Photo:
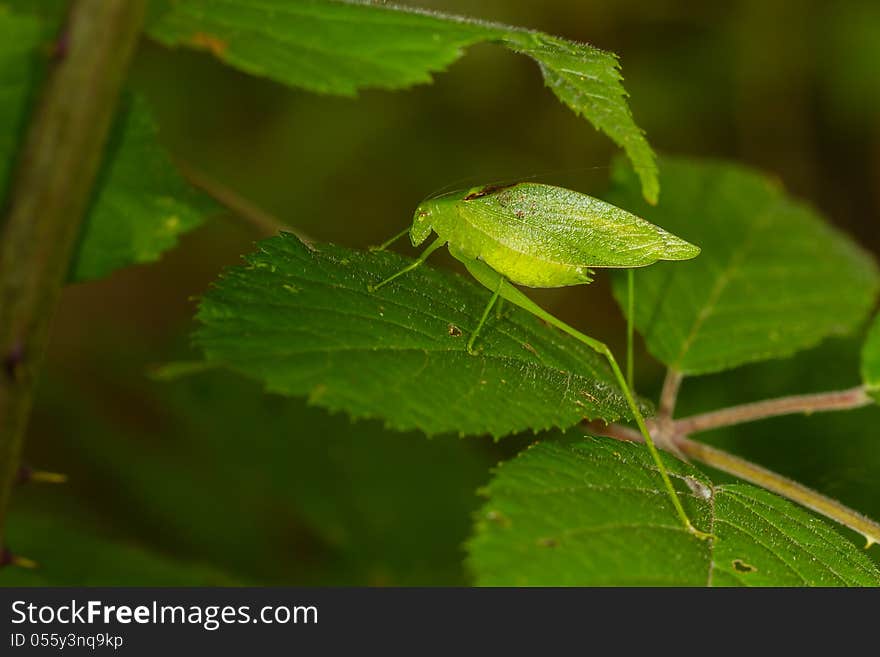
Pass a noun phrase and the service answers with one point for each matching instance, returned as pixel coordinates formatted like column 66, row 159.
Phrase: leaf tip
column 650, row 182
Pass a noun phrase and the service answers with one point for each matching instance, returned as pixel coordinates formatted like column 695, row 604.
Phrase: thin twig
column 672, row 435
column 669, row 395
column 614, row 430
column 837, row 400
column 783, row 486
column 755, row 474
column 47, row 200
column 266, row 223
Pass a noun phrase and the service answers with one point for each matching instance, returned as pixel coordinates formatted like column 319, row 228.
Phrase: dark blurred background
column 207, row 479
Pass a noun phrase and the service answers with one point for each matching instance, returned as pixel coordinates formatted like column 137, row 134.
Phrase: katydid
column 539, row 235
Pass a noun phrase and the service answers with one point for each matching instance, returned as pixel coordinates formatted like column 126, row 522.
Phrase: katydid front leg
column 436, row 244
column 503, row 288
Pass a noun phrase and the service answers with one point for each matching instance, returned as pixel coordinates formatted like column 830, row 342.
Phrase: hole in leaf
column 741, row 566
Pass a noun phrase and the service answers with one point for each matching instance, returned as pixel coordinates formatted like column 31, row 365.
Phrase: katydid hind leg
column 630, row 331
column 499, row 308
column 493, row 280
column 483, row 318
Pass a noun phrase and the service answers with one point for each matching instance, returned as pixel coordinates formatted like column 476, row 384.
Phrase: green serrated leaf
column 871, row 360
column 337, row 47
column 590, row 512
column 773, row 276
column 320, row 45
column 301, row 320
column 588, row 81
column 141, row 204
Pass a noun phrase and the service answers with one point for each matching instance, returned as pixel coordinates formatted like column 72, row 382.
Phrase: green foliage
column 310, row 498
column 336, row 47
column 833, row 453
column 142, row 204
column 89, row 559
column 852, row 31
column 19, row 38
column 301, row 320
column 587, row 80
column 589, row 511
column 871, row 359
column 261, row 487
column 773, row 277
column 320, row 45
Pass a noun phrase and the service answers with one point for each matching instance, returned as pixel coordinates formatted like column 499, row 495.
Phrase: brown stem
column 264, row 222
column 824, row 401
column 614, row 430
column 669, row 395
column 755, row 474
column 783, row 486
column 55, row 171
column 673, row 437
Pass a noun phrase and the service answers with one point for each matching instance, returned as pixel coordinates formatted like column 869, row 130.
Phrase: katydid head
column 433, row 211
column 427, row 215
column 421, row 224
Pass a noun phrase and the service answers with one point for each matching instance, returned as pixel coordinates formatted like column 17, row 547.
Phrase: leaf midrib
column 723, row 280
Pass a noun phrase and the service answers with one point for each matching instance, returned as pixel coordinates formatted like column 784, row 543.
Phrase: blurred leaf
column 85, row 558
column 211, row 468
column 141, row 205
column 301, row 320
column 328, row 46
column 20, row 36
column 871, row 359
column 847, row 68
column 588, row 511
column 50, row 12
column 773, row 277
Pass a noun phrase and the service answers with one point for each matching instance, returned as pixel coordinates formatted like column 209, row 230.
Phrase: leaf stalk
column 673, row 436
column 836, row 400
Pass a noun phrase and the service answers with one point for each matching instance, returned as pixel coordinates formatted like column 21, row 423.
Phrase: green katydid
column 539, row 235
